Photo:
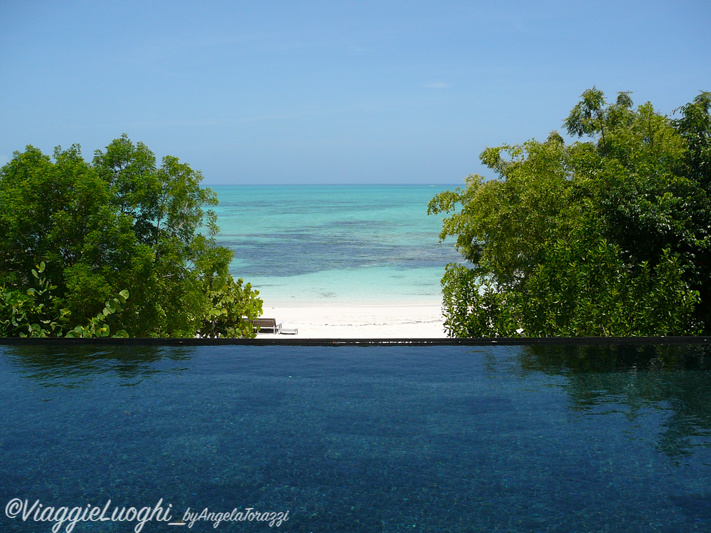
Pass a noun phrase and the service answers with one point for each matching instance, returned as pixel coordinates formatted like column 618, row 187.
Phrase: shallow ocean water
column 335, row 243
column 385, row 438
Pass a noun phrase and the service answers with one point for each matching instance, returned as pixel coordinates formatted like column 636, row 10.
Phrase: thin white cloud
column 437, row 85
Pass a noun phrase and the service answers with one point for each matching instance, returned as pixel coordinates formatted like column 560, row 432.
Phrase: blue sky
column 332, row 91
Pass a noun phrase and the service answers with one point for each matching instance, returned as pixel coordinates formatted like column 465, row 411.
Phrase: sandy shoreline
column 314, row 321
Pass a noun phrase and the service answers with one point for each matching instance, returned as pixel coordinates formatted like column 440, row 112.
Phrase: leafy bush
column 604, row 237
column 118, row 223
column 33, row 314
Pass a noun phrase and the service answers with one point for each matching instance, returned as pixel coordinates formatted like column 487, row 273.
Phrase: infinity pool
column 385, row 438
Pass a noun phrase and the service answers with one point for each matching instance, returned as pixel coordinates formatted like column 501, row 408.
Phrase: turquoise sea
column 335, row 244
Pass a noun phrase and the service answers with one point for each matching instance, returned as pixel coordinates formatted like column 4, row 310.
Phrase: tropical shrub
column 120, row 222
column 608, row 236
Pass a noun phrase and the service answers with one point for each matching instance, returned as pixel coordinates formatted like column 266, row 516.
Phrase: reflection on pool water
column 437, row 438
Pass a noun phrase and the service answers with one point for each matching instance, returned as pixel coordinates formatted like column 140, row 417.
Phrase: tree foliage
column 33, row 313
column 120, row 222
column 603, row 236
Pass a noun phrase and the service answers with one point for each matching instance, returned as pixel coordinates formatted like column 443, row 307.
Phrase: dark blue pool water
column 440, row 438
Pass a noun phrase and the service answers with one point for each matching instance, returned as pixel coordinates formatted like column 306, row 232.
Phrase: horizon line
column 314, row 184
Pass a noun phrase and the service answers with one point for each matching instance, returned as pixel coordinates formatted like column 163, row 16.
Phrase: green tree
column 597, row 237
column 34, row 313
column 120, row 223
column 694, row 126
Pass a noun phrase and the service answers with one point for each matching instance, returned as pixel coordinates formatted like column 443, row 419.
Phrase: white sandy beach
column 358, row 321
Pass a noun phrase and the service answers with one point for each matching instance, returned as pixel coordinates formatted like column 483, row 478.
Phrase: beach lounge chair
column 267, row 325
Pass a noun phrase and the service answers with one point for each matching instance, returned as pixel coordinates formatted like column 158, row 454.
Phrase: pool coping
column 280, row 341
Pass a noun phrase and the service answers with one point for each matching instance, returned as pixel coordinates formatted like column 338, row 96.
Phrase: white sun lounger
column 269, row 325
